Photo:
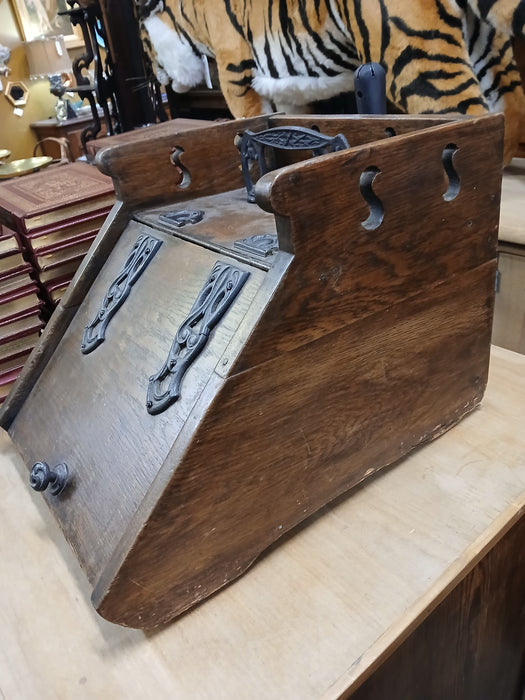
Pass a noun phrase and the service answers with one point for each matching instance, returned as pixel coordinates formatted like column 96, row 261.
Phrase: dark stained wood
column 421, row 241
column 345, row 350
column 301, row 430
column 147, row 132
column 144, row 174
column 472, row 647
column 360, row 130
column 110, row 387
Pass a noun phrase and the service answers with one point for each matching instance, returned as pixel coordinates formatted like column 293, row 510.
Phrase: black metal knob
column 42, row 476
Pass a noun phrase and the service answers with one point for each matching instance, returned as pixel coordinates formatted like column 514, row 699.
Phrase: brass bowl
column 23, row 167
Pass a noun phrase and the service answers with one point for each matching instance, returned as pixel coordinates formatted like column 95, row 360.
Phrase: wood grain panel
column 314, row 617
column 144, row 175
column 99, row 400
column 340, row 270
column 280, row 442
column 472, row 647
column 509, row 312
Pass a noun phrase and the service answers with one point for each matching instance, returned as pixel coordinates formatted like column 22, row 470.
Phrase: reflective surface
column 23, row 167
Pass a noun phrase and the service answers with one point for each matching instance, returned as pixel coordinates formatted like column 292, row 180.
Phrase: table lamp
column 48, row 58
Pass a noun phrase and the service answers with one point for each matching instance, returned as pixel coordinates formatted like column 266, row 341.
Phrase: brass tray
column 23, row 166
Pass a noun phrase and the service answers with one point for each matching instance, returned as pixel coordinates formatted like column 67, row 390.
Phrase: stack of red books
column 20, row 310
column 48, row 221
column 57, row 249
column 56, row 214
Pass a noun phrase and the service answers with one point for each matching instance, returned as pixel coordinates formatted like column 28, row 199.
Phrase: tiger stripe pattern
column 440, row 56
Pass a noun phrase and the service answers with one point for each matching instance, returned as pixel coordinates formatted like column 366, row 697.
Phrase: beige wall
column 15, row 132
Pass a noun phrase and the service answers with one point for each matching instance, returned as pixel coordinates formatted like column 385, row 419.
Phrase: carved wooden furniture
column 221, row 369
column 68, row 128
column 146, row 132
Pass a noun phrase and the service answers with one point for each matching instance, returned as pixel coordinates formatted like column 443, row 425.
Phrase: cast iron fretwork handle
column 42, row 477
column 253, row 147
column 215, row 298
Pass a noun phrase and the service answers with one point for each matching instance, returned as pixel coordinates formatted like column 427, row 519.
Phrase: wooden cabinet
column 472, row 646
column 509, row 311
column 509, row 314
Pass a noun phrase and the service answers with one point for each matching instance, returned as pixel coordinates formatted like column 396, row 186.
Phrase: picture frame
column 36, row 18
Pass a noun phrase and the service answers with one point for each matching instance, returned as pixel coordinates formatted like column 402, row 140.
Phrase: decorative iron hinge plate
column 214, row 300
column 141, row 254
column 182, row 217
column 261, row 245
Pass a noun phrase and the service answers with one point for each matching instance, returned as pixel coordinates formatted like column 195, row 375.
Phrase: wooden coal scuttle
column 219, row 369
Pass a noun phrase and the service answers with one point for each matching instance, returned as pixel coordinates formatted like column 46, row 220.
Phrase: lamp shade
column 47, row 56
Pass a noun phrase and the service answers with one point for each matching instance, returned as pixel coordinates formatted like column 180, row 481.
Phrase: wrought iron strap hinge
column 262, row 245
column 214, row 300
column 142, row 252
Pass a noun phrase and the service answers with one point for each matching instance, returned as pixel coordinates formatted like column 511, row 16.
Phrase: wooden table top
column 312, row 617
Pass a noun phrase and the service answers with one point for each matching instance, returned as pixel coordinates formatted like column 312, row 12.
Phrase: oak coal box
column 220, row 369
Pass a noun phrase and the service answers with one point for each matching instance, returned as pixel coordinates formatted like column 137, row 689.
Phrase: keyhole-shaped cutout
column 454, row 184
column 377, row 211
column 182, row 170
